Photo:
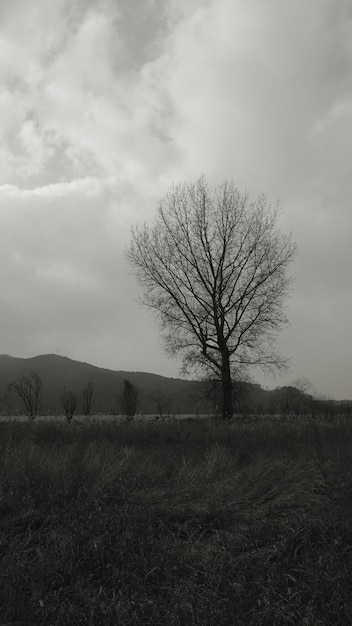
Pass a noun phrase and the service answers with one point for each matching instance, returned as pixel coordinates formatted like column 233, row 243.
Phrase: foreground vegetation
column 176, row 523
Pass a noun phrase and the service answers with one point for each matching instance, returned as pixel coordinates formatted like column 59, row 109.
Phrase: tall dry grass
column 176, row 523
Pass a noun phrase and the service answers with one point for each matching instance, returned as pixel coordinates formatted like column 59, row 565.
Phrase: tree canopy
column 214, row 268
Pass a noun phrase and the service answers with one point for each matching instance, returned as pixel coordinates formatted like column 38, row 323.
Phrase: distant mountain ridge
column 58, row 372
column 156, row 393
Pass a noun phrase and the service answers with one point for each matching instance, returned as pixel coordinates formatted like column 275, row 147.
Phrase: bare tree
column 29, row 389
column 6, row 402
column 69, row 402
column 129, row 398
column 214, row 268
column 296, row 399
column 211, row 393
column 163, row 404
column 87, row 399
column 289, row 401
column 241, row 397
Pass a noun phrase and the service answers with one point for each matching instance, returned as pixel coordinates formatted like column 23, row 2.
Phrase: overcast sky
column 105, row 103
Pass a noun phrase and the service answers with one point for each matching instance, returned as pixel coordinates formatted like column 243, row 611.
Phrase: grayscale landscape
column 175, row 305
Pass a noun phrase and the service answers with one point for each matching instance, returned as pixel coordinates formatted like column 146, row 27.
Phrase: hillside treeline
column 167, row 399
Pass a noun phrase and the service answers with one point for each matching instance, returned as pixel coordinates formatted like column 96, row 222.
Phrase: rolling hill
column 176, row 396
column 59, row 372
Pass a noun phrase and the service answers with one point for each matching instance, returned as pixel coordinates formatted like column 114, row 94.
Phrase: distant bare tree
column 129, row 398
column 69, row 402
column 304, row 385
column 211, row 392
column 288, row 398
column 163, row 404
column 87, row 399
column 6, row 402
column 29, row 389
column 296, row 399
column 241, row 397
column 214, row 268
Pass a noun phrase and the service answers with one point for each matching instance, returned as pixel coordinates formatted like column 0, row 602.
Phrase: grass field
column 192, row 522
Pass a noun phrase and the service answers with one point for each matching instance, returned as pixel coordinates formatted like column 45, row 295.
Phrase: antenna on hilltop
column 57, row 350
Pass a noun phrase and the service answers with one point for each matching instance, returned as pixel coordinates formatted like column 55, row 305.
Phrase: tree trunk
column 227, row 404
